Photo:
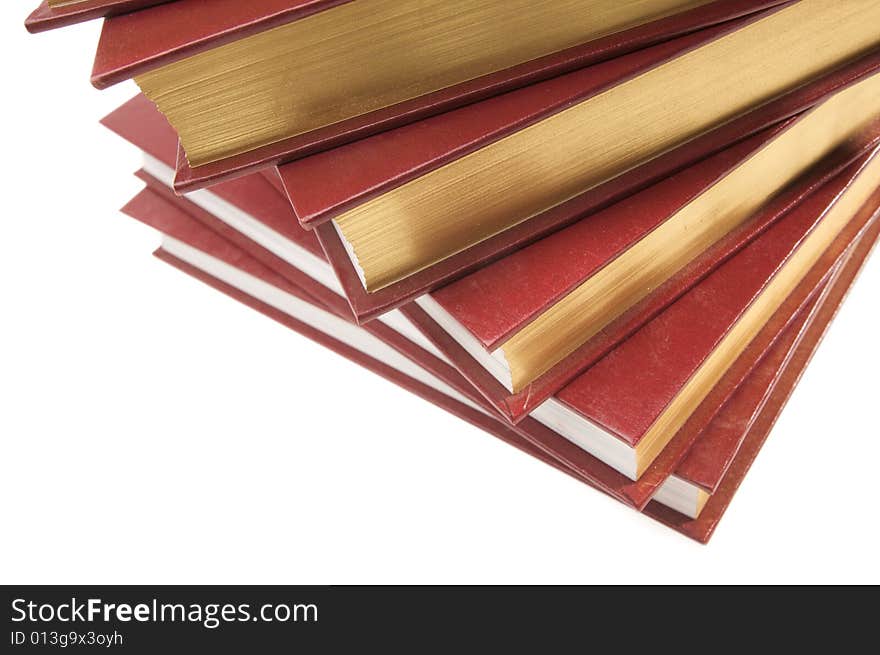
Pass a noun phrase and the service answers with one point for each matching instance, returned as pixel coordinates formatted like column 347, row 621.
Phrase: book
column 456, row 52
column 589, row 467
column 385, row 254
column 528, row 321
column 248, row 213
column 586, row 465
column 760, row 388
column 511, row 309
column 629, row 405
column 737, row 464
column 52, row 14
column 247, row 205
column 809, row 215
column 237, row 225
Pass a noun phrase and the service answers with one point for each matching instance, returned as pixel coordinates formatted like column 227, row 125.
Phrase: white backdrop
column 154, row 431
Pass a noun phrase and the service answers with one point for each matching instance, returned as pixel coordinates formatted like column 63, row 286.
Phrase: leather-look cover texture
column 700, row 529
column 577, row 460
column 529, row 269
column 369, row 305
column 45, row 17
column 170, row 217
column 138, row 122
column 581, row 86
column 498, row 300
column 132, row 44
column 627, row 390
column 639, row 492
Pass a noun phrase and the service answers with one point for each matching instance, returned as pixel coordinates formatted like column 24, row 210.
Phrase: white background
column 154, row 431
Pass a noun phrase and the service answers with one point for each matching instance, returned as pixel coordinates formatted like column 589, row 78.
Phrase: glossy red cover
column 700, row 529
column 45, row 17
column 369, row 305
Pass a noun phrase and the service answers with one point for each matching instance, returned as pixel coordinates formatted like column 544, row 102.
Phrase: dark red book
column 248, row 204
column 601, row 474
column 704, row 458
column 638, row 493
column 486, row 308
column 324, row 186
column 45, row 17
column 131, row 46
column 592, row 469
column 139, row 122
column 767, row 383
column 624, row 393
column 170, row 217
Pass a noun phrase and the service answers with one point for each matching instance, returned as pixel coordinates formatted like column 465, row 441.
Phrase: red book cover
column 170, row 217
column 580, row 460
column 131, row 45
column 585, row 464
column 495, row 302
column 735, row 468
column 735, row 412
column 143, row 125
column 638, row 493
column 138, row 122
column 527, row 107
column 45, row 17
column 682, row 330
column 353, row 184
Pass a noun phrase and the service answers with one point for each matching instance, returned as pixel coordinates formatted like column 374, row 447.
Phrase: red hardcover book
column 170, row 217
column 486, row 308
column 761, row 387
column 638, row 493
column 131, row 46
column 45, row 17
column 253, row 200
column 402, row 155
column 701, row 464
column 588, row 466
column 140, row 123
column 624, row 393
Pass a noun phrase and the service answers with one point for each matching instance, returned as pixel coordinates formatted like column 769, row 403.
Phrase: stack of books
column 611, row 234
